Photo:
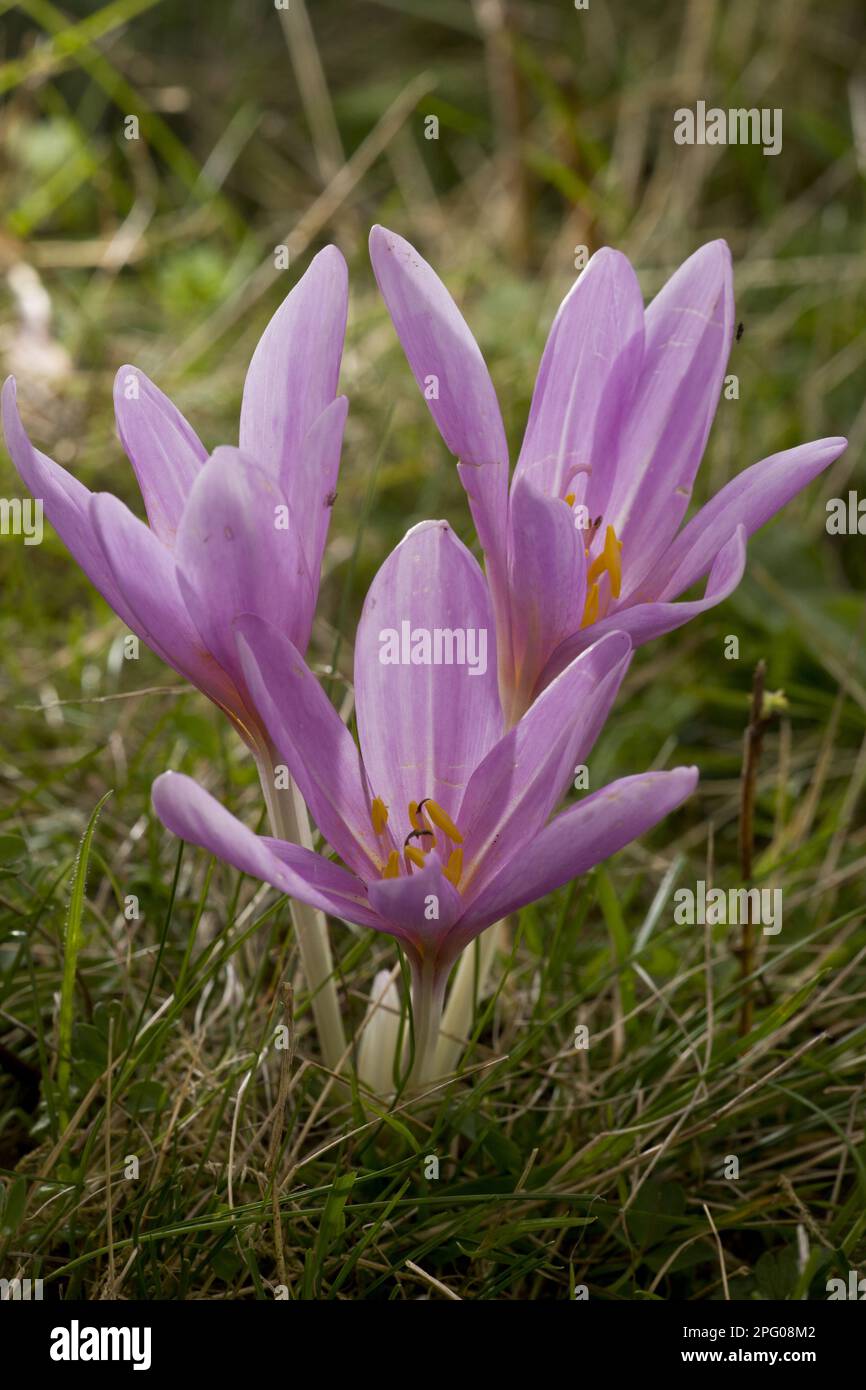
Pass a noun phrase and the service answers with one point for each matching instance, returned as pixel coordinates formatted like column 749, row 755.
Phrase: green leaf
column 12, row 849
column 71, row 948
column 776, row 1274
column 13, row 1206
column 658, row 1207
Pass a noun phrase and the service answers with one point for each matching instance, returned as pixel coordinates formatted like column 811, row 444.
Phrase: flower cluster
column 444, row 816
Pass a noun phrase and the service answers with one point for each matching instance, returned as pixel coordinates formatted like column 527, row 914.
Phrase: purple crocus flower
column 241, row 531
column 588, row 541
column 443, row 820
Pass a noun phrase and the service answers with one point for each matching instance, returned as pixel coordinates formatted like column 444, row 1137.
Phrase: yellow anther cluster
column 422, row 814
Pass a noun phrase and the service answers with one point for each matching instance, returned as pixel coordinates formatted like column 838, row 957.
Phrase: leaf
column 776, row 1274
column 12, row 849
column 331, row 1227
column 71, row 948
column 13, row 1206
column 657, row 1208
column 146, row 1098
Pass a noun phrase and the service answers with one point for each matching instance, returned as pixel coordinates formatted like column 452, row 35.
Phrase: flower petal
column 408, row 901
column 144, row 572
column 293, row 374
column 438, row 343
column 164, row 450
column 314, row 482
column 425, row 725
column 66, row 502
column 514, row 790
column 585, row 382
column 645, row 621
column 546, row 581
column 320, row 752
column 191, row 813
column 579, row 838
column 749, row 500
column 462, row 400
column 689, row 327
column 235, row 555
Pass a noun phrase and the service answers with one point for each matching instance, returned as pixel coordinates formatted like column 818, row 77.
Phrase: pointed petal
column 585, row 382
column 546, row 580
column 645, row 621
column 164, row 450
column 689, row 327
column 293, row 374
column 234, row 555
column 66, row 502
column 749, row 500
column 579, row 838
column 309, row 734
column 521, row 781
column 192, row 814
column 424, row 727
column 143, row 570
column 314, row 482
column 407, row 902
column 438, row 343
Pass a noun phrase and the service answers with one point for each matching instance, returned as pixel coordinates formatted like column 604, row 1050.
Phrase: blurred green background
column 259, row 128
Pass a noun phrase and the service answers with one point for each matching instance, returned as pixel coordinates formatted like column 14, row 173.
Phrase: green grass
column 607, row 1167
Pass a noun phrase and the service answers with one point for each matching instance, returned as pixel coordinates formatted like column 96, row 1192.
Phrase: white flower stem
column 289, row 821
column 428, row 996
column 473, row 973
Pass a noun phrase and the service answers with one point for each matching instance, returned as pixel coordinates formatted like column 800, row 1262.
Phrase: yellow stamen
column 590, row 612
column 442, row 819
column 379, row 814
column 413, row 856
column 569, row 497
column 392, row 868
column 454, row 867
column 610, row 561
